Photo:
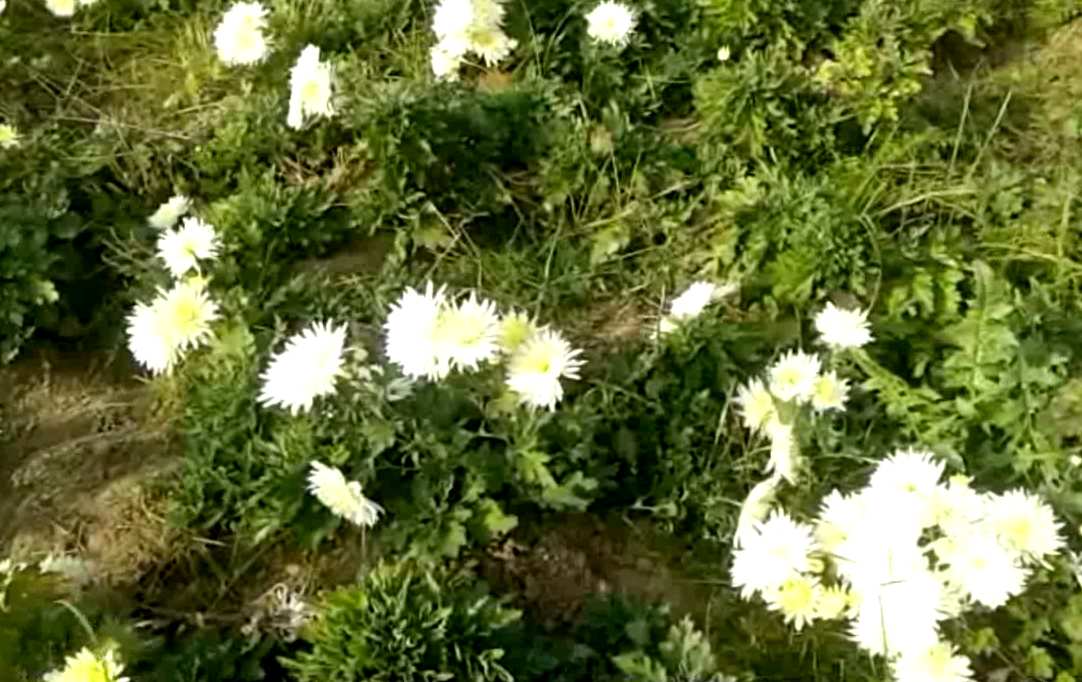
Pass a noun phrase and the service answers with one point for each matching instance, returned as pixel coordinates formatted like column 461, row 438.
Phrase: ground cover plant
column 511, row 340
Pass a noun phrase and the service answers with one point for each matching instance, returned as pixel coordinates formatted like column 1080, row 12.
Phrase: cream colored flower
column 309, row 367
column 611, row 23
column 310, row 88
column 344, row 498
column 239, row 36
column 535, row 369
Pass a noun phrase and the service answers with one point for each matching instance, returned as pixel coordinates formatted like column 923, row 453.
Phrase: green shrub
column 405, row 625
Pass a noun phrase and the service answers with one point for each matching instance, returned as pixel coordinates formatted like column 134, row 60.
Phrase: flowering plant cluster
column 897, row 559
column 465, row 27
column 773, row 407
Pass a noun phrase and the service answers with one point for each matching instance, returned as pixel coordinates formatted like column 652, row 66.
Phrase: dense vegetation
column 919, row 160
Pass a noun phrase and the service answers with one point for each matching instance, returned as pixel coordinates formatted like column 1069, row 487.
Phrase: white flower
column 756, row 405
column 908, row 471
column 491, row 44
column 342, row 497
column 86, row 666
column 901, row 615
column 611, row 22
column 187, row 311
column 938, row 663
column 754, row 510
column 797, row 600
column 411, row 333
column 832, row 602
column 691, row 303
column 778, row 549
column 183, row 248
column 793, row 376
column 783, row 461
column 535, row 369
column 980, row 566
column 9, row 136
column 170, row 212
column 452, row 19
column 177, row 320
column 724, row 53
column 3, row 6
column 306, row 369
column 840, row 328
column 1024, row 524
column 467, row 334
column 239, row 36
column 839, row 516
column 62, row 8
column 515, row 328
column 310, row 85
column 445, row 62
column 829, row 393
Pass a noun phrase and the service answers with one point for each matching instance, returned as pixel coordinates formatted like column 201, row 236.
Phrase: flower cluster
column 86, row 666
column 771, row 406
column 239, row 37
column 464, row 27
column 898, row 558
column 178, row 319
column 692, row 302
column 429, row 335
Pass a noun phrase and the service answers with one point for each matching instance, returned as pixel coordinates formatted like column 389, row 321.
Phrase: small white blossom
column 182, row 249
column 536, row 368
column 840, row 328
column 310, row 88
column 239, row 36
column 344, row 498
column 170, row 212
column 793, row 376
column 611, row 23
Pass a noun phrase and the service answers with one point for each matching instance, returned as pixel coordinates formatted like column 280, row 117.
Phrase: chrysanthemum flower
column 453, row 19
column 344, row 498
column 9, row 136
column 150, row 339
column 793, row 376
column 956, row 507
column 62, row 8
column 491, row 44
column 411, row 333
column 754, row 510
column 515, row 328
column 611, row 23
column 839, row 516
column 445, row 63
column 691, row 303
column 978, row 564
column 1025, row 524
column 86, row 666
column 908, row 472
column 306, row 369
column 239, row 36
column 183, row 248
column 939, row 663
column 467, row 334
column 778, row 549
column 796, row 599
column 188, row 310
column 310, row 86
column 535, row 369
column 901, row 615
column 170, row 212
column 756, row 405
column 832, row 602
column 829, row 393
column 840, row 328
